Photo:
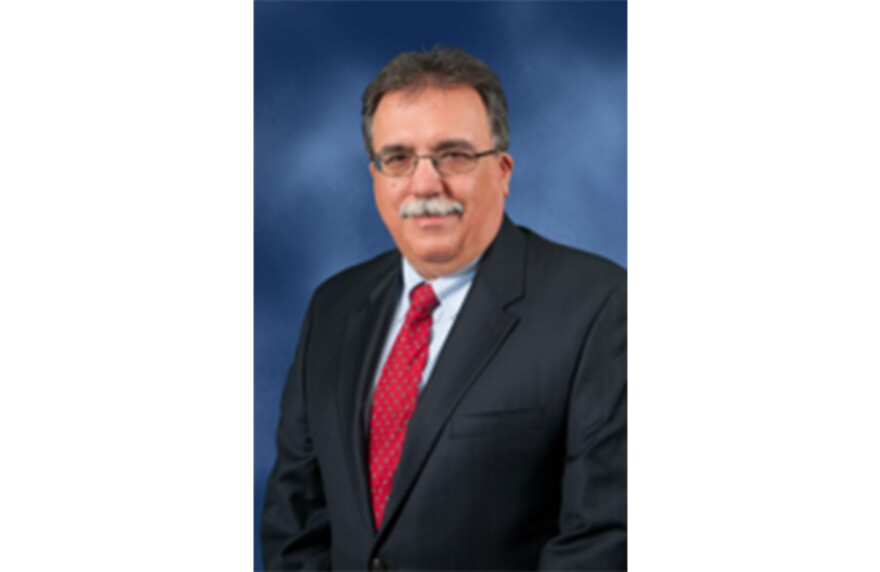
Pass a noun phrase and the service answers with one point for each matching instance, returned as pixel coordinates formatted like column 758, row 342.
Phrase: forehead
column 430, row 115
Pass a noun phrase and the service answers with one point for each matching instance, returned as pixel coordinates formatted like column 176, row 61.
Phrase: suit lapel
column 364, row 332
column 479, row 331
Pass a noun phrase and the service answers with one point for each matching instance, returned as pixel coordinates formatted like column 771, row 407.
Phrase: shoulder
column 351, row 287
column 554, row 262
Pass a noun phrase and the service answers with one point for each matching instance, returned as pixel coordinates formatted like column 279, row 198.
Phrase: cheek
column 480, row 194
column 387, row 198
column 389, row 190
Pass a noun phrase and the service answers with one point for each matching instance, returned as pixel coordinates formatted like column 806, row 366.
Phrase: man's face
column 425, row 121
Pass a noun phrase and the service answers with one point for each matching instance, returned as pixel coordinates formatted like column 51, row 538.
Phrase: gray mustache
column 430, row 206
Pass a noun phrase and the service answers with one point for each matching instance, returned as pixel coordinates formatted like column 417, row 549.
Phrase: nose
column 426, row 181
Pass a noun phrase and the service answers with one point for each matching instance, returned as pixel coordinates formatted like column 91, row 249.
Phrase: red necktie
column 395, row 397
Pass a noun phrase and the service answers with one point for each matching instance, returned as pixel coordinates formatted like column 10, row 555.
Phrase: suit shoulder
column 351, row 285
column 554, row 257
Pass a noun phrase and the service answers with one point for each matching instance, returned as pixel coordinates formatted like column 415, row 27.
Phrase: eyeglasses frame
column 377, row 160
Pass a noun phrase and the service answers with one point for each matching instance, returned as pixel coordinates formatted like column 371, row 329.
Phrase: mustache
column 430, row 206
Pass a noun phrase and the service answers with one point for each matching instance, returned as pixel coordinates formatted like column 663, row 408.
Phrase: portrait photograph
column 563, row 70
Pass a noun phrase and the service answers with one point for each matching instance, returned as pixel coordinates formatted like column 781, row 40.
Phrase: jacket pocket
column 505, row 422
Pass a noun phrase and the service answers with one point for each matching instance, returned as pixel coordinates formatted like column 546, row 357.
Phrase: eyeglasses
column 447, row 162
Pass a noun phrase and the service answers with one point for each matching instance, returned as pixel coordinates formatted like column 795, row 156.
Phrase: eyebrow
column 388, row 149
column 442, row 146
column 453, row 144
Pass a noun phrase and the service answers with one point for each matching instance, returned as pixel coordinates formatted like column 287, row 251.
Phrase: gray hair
column 439, row 67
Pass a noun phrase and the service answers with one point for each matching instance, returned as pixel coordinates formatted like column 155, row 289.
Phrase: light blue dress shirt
column 452, row 291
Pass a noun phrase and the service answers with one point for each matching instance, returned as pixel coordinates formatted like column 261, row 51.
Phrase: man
column 458, row 403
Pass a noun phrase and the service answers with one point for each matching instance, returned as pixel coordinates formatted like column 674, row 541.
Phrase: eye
column 455, row 156
column 395, row 159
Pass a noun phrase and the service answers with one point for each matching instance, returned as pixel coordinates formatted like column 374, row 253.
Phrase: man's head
column 440, row 67
column 446, row 107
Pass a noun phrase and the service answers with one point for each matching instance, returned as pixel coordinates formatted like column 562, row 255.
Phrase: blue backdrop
column 563, row 67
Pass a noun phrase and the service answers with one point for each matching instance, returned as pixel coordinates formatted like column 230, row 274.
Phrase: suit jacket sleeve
column 592, row 521
column 295, row 530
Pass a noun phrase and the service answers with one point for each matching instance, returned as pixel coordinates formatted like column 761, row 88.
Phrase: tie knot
column 423, row 299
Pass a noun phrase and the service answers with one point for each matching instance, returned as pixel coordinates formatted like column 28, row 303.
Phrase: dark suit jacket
column 515, row 457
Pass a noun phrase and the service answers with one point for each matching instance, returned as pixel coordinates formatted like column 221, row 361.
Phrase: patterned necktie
column 395, row 397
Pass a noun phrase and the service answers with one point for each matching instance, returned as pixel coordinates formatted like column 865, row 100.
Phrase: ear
column 373, row 170
column 505, row 161
column 505, row 166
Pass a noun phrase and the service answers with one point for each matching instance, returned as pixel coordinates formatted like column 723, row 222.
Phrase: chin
column 434, row 256
column 433, row 248
column 433, row 253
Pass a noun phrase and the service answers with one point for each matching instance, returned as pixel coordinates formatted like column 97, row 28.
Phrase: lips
column 433, row 220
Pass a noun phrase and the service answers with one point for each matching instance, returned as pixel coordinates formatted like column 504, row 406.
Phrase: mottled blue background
column 563, row 67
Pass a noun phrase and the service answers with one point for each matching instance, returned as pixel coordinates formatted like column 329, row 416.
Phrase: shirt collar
column 443, row 286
